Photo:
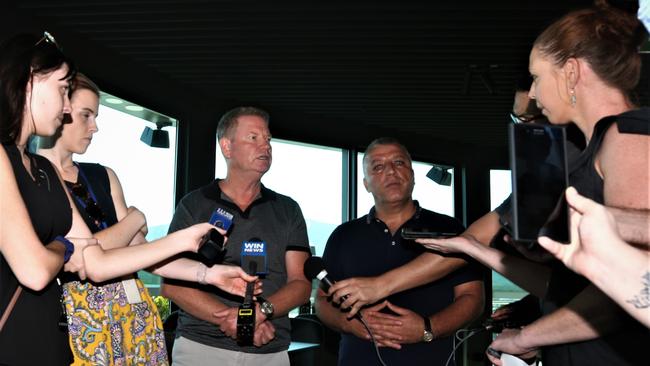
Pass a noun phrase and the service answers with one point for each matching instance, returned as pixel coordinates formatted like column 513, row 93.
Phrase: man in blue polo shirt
column 414, row 326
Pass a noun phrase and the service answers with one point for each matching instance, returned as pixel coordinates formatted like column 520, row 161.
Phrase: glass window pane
column 147, row 174
column 311, row 175
column 430, row 195
column 500, row 187
column 503, row 291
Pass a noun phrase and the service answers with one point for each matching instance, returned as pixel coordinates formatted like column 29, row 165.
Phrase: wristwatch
column 69, row 247
column 428, row 334
column 266, row 307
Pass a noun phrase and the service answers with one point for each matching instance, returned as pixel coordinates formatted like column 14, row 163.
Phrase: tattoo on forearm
column 642, row 300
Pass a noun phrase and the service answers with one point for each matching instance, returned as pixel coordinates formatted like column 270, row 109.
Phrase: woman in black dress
column 34, row 80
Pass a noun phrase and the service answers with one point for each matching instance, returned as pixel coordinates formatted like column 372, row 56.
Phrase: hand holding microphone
column 315, row 268
column 213, row 242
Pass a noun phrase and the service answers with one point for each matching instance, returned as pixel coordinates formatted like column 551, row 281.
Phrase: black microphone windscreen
column 313, row 266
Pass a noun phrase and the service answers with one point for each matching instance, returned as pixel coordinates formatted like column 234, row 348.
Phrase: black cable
column 373, row 340
column 471, row 332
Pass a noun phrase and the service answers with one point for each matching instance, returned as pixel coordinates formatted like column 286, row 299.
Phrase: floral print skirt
column 104, row 329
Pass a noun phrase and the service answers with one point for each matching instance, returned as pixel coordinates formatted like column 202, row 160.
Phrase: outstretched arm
column 103, row 265
column 587, row 316
column 367, row 290
column 425, row 268
column 231, row 279
column 532, row 277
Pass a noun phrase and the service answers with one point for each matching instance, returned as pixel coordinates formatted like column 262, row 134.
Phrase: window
column 503, row 291
column 311, row 175
column 430, row 195
column 147, row 174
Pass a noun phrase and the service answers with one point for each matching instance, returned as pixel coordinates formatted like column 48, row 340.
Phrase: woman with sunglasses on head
column 36, row 213
column 585, row 68
column 121, row 311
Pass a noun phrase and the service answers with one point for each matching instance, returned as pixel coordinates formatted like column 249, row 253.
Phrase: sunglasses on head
column 47, row 38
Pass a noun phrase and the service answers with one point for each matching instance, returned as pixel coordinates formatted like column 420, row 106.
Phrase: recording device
column 498, row 325
column 538, row 161
column 494, row 353
column 246, row 313
column 412, row 234
column 254, row 251
column 212, row 243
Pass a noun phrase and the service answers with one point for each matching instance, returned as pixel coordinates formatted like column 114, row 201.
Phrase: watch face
column 267, row 308
column 428, row 336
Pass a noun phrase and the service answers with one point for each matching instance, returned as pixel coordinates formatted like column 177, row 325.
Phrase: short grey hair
column 384, row 141
column 228, row 121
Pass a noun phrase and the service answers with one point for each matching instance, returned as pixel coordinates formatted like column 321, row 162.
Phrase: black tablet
column 538, row 161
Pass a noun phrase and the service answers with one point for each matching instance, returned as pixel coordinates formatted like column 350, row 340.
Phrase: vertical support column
column 475, row 183
column 349, row 185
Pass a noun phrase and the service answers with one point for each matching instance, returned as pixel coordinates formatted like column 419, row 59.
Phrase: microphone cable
column 467, row 334
column 374, row 341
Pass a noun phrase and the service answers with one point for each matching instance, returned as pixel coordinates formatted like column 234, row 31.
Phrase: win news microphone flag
column 254, row 251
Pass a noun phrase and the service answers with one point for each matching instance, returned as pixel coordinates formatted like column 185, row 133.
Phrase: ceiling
column 443, row 70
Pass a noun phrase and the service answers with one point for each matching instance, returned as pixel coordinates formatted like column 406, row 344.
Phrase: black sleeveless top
column 626, row 346
column 31, row 335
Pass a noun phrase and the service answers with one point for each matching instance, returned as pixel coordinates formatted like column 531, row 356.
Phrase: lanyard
column 102, row 224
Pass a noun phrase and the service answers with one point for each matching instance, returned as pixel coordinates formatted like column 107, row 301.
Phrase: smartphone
column 412, row 234
column 539, row 178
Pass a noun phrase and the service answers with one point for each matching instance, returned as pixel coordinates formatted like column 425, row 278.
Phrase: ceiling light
column 134, row 108
column 114, row 101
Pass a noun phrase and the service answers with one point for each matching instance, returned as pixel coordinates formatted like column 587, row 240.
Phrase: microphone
column 315, row 268
column 254, row 251
column 212, row 244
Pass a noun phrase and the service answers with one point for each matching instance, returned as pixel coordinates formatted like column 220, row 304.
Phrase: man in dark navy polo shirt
column 414, row 326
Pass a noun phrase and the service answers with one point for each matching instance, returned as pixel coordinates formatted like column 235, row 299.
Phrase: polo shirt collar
column 213, row 191
column 373, row 213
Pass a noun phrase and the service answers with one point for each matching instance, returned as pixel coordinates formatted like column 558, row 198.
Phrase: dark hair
column 81, row 81
column 228, row 121
column 385, row 141
column 22, row 57
column 606, row 37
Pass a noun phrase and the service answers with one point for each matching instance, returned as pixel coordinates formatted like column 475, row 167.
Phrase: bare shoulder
column 623, row 162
